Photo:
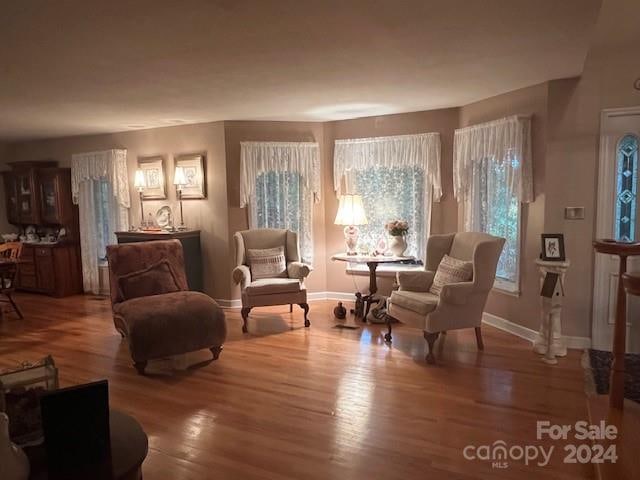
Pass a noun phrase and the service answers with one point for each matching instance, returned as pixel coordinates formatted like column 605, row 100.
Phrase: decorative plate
column 163, row 216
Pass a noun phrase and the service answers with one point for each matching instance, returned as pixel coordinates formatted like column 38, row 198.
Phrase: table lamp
column 140, row 183
column 180, row 180
column 351, row 214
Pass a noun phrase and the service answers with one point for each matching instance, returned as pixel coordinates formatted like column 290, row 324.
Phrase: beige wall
column 573, row 142
column 209, row 215
column 522, row 309
column 444, row 215
column 565, row 152
column 238, row 131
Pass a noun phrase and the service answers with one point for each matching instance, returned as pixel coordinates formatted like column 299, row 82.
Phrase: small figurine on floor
column 358, row 311
column 340, row 312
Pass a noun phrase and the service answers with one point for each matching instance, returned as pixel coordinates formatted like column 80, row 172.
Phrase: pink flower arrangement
column 397, row 228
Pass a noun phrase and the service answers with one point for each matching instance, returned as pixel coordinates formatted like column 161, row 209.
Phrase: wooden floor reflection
column 288, row 402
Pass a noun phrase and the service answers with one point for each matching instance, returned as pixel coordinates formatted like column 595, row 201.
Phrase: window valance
column 261, row 157
column 506, row 141
column 421, row 150
column 107, row 164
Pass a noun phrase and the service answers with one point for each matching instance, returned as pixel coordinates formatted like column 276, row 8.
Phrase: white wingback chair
column 459, row 305
column 270, row 291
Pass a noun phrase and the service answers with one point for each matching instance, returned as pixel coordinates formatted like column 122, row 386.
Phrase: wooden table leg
column 616, row 381
column 373, row 288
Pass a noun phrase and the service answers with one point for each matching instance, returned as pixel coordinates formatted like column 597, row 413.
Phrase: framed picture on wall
column 552, row 247
column 192, row 165
column 153, row 171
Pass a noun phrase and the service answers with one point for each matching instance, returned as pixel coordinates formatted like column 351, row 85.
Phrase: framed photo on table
column 552, row 247
column 193, row 166
column 153, row 171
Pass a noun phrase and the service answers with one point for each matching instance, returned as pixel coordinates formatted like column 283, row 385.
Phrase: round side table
column 129, row 448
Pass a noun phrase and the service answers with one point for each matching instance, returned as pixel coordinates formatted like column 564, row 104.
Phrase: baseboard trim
column 579, row 343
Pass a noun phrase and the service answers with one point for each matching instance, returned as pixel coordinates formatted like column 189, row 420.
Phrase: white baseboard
column 500, row 323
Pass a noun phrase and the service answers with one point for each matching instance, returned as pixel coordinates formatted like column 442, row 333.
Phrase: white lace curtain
column 506, row 141
column 280, row 181
column 421, row 150
column 100, row 188
column 398, row 178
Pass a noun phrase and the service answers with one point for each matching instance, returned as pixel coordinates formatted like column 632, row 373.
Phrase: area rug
column 601, row 367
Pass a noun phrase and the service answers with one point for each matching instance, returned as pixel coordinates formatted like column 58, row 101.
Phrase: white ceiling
column 89, row 66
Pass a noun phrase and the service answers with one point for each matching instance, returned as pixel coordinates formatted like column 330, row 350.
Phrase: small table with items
column 363, row 303
column 129, row 448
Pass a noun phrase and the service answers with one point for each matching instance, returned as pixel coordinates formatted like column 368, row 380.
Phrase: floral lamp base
column 351, row 233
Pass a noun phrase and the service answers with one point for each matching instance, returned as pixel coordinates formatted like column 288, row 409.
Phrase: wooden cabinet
column 54, row 196
column 52, row 269
column 23, row 191
column 39, row 194
column 190, row 240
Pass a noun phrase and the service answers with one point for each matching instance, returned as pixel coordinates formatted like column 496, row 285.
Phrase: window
column 280, row 181
column 499, row 215
column 392, row 193
column 281, row 201
column 102, row 193
column 627, row 186
column 492, row 178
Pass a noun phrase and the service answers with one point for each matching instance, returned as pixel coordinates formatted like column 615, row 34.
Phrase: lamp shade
column 179, row 177
column 139, row 181
column 350, row 211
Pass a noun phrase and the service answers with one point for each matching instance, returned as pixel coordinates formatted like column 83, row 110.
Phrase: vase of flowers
column 397, row 229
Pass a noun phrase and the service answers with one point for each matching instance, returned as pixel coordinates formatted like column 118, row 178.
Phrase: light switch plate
column 574, row 213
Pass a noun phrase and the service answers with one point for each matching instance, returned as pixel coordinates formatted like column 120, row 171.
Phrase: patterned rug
column 601, row 367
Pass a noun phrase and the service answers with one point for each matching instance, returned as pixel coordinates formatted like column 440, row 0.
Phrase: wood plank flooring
column 284, row 402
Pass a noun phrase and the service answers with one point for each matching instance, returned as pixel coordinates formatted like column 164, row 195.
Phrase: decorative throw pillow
column 451, row 270
column 156, row 279
column 267, row 263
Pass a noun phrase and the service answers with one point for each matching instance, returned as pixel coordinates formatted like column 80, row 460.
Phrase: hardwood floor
column 285, row 402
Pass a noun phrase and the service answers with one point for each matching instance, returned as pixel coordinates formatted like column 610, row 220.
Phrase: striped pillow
column 451, row 270
column 267, row 263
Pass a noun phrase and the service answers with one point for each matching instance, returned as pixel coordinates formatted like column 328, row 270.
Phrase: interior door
column 618, row 188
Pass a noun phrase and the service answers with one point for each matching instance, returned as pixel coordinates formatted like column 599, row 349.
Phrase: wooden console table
column 190, row 240
column 622, row 250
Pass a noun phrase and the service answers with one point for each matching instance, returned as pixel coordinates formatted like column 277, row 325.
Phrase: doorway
column 618, row 188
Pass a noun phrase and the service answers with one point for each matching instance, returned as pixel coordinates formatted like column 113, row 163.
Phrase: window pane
column 102, row 194
column 627, row 184
column 392, row 194
column 283, row 202
column 499, row 215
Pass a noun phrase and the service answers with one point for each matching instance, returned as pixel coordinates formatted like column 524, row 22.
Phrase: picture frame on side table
column 193, row 166
column 154, row 176
column 552, row 247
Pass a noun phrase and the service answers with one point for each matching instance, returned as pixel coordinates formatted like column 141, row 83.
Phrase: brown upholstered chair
column 288, row 289
column 153, row 307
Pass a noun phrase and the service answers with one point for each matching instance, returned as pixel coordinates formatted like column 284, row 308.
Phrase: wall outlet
column 574, row 213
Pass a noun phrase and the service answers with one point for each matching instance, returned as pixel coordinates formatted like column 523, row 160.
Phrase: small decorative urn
column 398, row 245
column 340, row 312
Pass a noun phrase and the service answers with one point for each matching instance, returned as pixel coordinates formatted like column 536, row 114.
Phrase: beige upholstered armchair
column 458, row 305
column 284, row 287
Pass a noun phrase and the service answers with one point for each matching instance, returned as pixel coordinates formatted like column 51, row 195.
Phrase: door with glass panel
column 618, row 188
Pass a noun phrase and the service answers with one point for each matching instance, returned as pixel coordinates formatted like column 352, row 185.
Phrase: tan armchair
column 270, row 291
column 459, row 305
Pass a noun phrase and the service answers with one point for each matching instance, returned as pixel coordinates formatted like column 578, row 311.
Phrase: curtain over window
column 280, row 181
column 100, row 188
column 492, row 177
column 398, row 177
